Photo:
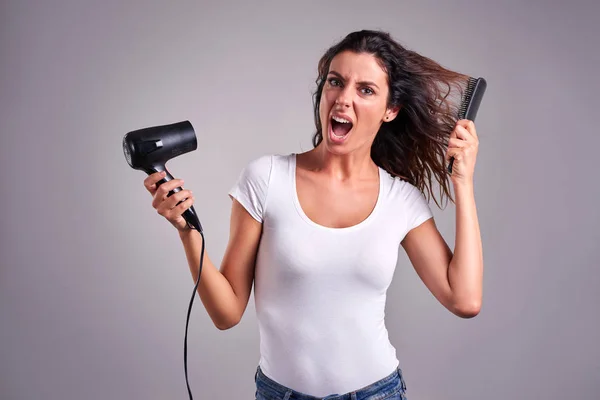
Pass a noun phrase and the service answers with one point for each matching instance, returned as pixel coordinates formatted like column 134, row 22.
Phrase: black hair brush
column 470, row 103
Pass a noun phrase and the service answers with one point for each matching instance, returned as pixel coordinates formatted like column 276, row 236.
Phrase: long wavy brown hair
column 413, row 145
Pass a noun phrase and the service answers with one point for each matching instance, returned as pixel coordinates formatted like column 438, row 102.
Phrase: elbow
column 225, row 325
column 467, row 310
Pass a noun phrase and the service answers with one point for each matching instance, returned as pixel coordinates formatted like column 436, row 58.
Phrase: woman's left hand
column 463, row 145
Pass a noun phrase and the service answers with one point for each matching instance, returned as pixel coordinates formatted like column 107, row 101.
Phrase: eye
column 333, row 82
column 368, row 91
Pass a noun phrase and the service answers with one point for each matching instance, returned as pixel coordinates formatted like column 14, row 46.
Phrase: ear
column 391, row 113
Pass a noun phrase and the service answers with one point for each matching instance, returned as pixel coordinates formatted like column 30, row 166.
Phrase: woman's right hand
column 167, row 206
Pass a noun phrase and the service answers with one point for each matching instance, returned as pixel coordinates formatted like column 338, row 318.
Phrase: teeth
column 341, row 120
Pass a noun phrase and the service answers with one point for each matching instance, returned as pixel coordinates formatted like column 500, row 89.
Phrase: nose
column 344, row 98
column 342, row 102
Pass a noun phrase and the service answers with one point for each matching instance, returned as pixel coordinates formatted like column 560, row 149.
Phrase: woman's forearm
column 465, row 273
column 214, row 289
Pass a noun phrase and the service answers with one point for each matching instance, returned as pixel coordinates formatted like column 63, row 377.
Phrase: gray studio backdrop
column 94, row 285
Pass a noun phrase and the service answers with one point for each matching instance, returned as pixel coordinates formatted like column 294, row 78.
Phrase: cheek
column 327, row 97
column 325, row 104
column 369, row 114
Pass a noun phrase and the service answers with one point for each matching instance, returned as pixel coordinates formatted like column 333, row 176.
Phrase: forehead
column 358, row 66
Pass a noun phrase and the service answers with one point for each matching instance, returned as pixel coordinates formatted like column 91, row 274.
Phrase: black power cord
column 190, row 310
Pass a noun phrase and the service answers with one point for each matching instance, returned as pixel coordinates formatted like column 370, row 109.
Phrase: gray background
column 94, row 285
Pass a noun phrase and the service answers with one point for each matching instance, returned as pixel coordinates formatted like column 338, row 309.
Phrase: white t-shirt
column 320, row 292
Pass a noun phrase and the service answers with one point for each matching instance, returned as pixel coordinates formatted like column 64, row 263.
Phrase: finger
column 462, row 133
column 469, row 126
column 150, row 181
column 187, row 203
column 456, row 142
column 163, row 190
column 166, row 187
column 172, row 201
column 454, row 152
column 173, row 213
column 453, row 133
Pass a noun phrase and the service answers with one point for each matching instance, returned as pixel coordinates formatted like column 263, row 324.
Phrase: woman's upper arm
column 240, row 255
column 430, row 256
column 248, row 209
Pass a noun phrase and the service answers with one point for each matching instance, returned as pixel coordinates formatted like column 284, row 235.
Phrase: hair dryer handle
column 190, row 214
column 168, row 177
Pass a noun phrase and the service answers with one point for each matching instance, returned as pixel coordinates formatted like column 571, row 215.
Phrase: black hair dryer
column 149, row 149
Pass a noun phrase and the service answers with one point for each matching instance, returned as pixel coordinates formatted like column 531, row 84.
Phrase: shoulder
column 251, row 188
column 259, row 165
column 410, row 200
column 257, row 171
column 401, row 189
column 263, row 165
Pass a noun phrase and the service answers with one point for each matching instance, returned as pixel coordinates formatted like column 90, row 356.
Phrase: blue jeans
column 392, row 387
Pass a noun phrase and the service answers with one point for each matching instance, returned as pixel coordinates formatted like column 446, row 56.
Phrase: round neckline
column 305, row 217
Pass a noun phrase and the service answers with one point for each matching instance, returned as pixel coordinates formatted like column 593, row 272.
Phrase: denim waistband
column 391, row 384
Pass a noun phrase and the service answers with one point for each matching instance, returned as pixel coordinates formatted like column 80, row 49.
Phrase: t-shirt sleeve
column 418, row 209
column 252, row 186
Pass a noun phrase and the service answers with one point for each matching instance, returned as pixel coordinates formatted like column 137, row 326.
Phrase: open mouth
column 340, row 127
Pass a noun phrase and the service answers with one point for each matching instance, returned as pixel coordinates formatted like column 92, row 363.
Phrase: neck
column 354, row 165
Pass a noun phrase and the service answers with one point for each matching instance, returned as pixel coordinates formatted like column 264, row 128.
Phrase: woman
column 318, row 232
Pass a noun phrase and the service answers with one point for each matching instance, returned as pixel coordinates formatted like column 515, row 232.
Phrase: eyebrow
column 369, row 83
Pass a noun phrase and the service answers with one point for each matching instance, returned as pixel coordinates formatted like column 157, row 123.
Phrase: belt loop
column 288, row 394
column 402, row 379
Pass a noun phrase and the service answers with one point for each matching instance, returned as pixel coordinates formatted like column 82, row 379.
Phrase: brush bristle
column 466, row 99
